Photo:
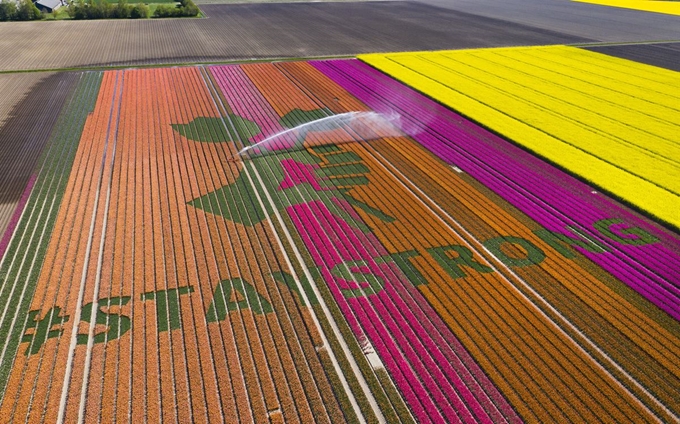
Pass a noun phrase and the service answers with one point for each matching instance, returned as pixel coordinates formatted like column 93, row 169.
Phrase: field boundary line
column 623, row 43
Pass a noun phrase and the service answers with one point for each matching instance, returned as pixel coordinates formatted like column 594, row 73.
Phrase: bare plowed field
column 256, row 31
column 16, row 87
column 607, row 24
column 665, row 55
column 29, row 107
column 371, row 256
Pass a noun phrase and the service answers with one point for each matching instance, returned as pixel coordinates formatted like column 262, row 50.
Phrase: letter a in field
column 231, row 295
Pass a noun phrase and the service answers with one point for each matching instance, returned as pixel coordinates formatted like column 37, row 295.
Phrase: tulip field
column 426, row 269
column 612, row 121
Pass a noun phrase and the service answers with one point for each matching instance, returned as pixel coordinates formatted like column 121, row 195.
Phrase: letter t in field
column 167, row 307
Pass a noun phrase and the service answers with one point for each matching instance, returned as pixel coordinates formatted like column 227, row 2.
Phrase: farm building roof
column 48, row 4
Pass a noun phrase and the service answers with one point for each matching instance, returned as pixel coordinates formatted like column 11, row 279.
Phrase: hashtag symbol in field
column 38, row 330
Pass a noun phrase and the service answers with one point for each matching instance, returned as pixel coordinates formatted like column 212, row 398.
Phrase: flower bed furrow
column 628, row 74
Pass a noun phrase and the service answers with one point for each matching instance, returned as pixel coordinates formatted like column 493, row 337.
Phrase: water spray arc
column 348, row 127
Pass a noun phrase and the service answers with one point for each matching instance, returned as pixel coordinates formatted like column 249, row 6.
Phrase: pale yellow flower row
column 611, row 121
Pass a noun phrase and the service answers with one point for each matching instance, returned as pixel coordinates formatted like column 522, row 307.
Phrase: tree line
column 97, row 9
column 185, row 8
column 101, row 9
column 24, row 11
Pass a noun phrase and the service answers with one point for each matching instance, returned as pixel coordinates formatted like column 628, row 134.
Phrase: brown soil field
column 16, row 86
column 665, row 55
column 29, row 107
column 257, row 31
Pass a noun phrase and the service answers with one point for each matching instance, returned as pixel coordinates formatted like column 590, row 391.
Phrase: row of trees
column 185, row 8
column 97, row 9
column 101, row 9
column 25, row 11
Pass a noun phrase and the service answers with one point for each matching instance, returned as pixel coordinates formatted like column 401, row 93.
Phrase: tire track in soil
column 246, row 101
column 283, row 386
column 88, row 263
column 272, row 125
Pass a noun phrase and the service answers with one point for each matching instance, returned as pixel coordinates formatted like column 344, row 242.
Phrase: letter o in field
column 533, row 255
